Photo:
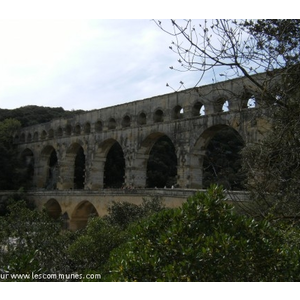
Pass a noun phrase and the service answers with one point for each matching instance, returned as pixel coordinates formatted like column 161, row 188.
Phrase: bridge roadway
column 76, row 206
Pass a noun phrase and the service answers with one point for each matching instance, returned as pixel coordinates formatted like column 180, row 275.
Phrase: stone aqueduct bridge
column 135, row 126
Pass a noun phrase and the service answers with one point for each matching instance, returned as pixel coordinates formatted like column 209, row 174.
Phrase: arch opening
column 79, row 169
column 82, row 212
column 198, row 109
column 142, row 119
column 53, row 208
column 52, row 171
column 162, row 164
column 27, row 162
column 222, row 160
column 114, row 169
column 158, row 116
column 126, row 121
column 178, row 112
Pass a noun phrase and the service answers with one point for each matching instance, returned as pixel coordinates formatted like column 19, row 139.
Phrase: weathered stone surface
column 136, row 126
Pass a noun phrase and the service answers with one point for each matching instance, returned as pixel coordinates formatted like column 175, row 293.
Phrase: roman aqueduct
column 189, row 118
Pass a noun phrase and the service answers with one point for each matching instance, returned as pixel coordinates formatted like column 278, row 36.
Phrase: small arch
column 142, row 119
column 35, row 136
column 225, row 106
column 77, row 129
column 29, row 137
column 158, row 116
column 98, row 126
column 44, row 135
column 51, row 133
column 178, row 112
column 112, row 124
column 59, row 132
column 81, row 214
column 87, row 128
column 126, row 121
column 53, row 208
column 68, row 130
column 251, row 103
column 22, row 138
column 27, row 160
column 198, row 109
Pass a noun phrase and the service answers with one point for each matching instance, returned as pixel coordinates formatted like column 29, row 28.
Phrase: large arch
column 48, row 168
column 141, row 167
column 114, row 168
column 104, row 168
column 82, row 212
column 73, row 167
column 215, row 158
column 27, row 163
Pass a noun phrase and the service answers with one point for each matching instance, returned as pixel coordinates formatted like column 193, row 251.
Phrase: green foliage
column 9, row 177
column 222, row 163
column 31, row 242
column 32, row 114
column 91, row 249
column 205, row 240
column 162, row 164
column 124, row 213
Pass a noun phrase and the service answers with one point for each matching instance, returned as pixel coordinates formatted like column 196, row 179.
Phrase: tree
column 233, row 48
column 204, row 240
column 8, row 155
column 32, row 242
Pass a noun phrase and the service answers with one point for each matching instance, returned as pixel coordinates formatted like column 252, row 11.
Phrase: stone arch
column 114, row 168
column 82, row 212
column 98, row 126
column 53, row 208
column 198, row 109
column 48, row 166
column 142, row 119
column 200, row 156
column 126, row 121
column 35, row 136
column 73, row 169
column 112, row 124
column 221, row 104
column 251, row 103
column 97, row 169
column 27, row 160
column 51, row 133
column 29, row 137
column 43, row 135
column 158, row 116
column 140, row 164
column 59, row 132
column 87, row 128
column 68, row 129
column 178, row 112
column 22, row 138
column 77, row 129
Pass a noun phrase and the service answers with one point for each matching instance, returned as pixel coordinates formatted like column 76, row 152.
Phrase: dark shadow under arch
column 222, row 163
column 53, row 208
column 82, row 212
column 162, row 164
column 114, row 169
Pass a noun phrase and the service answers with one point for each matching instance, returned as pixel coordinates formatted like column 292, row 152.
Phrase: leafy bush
column 31, row 242
column 204, row 240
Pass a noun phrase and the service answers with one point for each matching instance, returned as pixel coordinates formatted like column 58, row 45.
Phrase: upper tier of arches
column 93, row 125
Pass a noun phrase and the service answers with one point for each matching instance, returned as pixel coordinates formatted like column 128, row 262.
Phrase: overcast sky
column 84, row 55
column 85, row 64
